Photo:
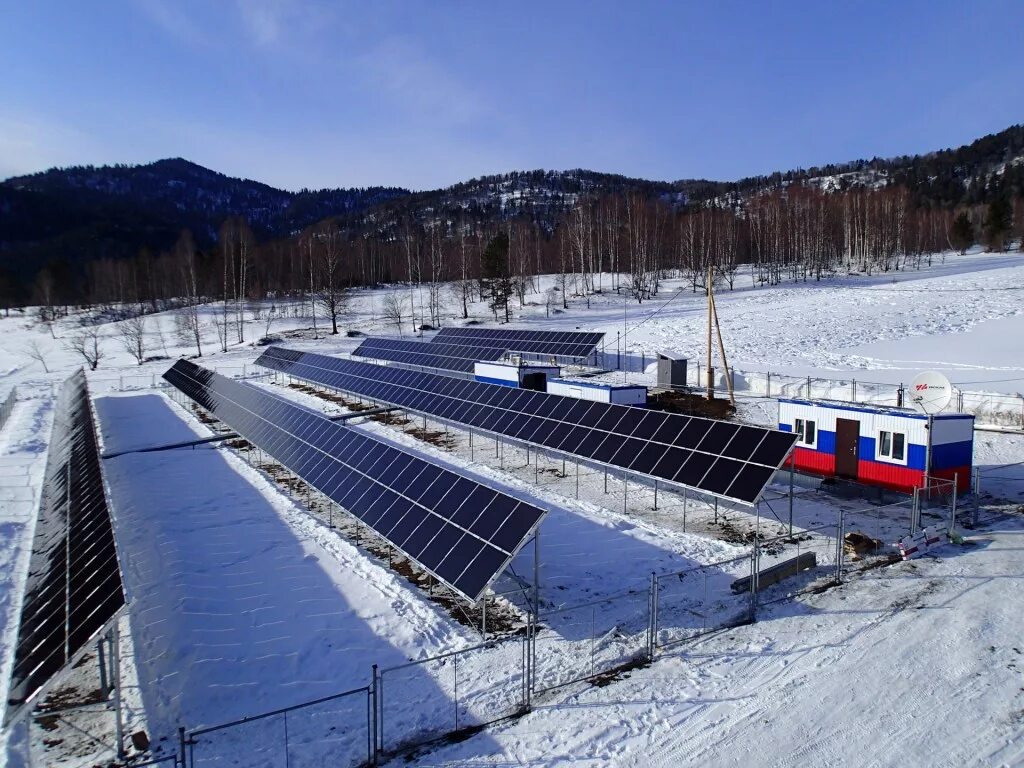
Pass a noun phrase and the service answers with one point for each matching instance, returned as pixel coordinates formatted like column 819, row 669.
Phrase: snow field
column 960, row 315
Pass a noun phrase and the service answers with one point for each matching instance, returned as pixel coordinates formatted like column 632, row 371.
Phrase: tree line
column 618, row 242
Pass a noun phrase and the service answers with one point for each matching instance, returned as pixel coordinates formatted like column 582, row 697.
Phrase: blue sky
column 425, row 94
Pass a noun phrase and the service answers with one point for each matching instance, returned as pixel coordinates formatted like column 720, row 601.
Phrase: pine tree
column 496, row 282
column 961, row 235
column 998, row 221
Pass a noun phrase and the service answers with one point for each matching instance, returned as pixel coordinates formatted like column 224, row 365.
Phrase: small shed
column 601, row 391
column 878, row 445
column 671, row 371
column 515, row 373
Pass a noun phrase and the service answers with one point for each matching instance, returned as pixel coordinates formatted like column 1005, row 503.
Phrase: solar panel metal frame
column 362, row 457
column 572, row 344
column 424, row 354
column 74, row 589
column 671, row 448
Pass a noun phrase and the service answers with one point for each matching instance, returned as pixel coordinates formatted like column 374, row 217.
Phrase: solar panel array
column 731, row 461
column 462, row 532
column 446, row 357
column 555, row 343
column 74, row 586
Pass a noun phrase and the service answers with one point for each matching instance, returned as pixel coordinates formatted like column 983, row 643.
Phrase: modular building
column 875, row 445
column 603, row 392
column 515, row 374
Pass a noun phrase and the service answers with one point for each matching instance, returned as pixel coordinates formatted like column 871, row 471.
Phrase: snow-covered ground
column 241, row 601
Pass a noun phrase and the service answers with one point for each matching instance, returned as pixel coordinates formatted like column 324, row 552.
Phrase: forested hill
column 64, row 218
column 86, row 212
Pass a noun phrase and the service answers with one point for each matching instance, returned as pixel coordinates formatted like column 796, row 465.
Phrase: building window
column 892, row 445
column 806, row 434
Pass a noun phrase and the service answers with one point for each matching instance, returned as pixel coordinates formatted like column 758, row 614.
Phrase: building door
column 847, row 448
column 535, row 381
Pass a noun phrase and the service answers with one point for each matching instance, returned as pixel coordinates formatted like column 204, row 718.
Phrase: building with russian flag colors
column 878, row 445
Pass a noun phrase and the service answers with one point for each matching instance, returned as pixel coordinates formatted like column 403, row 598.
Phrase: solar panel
column 557, row 343
column 446, row 357
column 74, row 585
column 462, row 532
column 719, row 458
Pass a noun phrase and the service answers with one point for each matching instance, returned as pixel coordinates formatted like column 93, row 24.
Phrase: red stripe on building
column 815, row 462
column 892, row 476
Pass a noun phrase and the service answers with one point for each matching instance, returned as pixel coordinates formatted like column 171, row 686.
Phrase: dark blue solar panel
column 462, row 532
column 687, row 447
column 73, row 588
column 444, row 357
column 576, row 344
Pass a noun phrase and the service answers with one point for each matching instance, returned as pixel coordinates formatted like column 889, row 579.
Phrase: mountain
column 88, row 212
column 72, row 215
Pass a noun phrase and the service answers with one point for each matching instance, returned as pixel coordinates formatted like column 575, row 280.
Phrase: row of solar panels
column 458, row 349
column 74, row 587
column 718, row 458
column 462, row 532
column 574, row 344
column 444, row 357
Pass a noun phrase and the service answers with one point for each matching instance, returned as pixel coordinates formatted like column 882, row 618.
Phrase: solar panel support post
column 101, row 659
column 483, row 618
column 684, row 509
column 716, row 510
column 577, row 479
column 625, row 491
column 655, row 494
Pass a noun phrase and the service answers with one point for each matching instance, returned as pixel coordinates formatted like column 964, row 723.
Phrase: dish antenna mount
column 930, row 392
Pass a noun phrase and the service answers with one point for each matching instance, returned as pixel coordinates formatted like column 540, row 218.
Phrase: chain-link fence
column 133, row 382
column 989, row 408
column 806, row 561
column 7, row 406
column 428, row 699
column 336, row 730
column 591, row 639
column 695, row 601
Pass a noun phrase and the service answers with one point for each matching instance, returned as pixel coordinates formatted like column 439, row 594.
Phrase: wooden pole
column 710, row 370
column 721, row 349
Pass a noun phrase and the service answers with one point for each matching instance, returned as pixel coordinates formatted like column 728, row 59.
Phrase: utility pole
column 710, row 370
column 721, row 349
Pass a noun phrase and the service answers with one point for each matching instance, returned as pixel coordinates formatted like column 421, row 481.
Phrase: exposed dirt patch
column 691, row 404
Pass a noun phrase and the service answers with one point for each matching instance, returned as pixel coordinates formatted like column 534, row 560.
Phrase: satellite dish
column 930, row 392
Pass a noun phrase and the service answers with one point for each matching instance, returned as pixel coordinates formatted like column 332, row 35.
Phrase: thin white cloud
column 262, row 20
column 418, row 85
column 175, row 21
column 29, row 144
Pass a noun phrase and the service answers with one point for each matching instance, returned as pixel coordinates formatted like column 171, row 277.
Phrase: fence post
column 753, row 580
column 768, row 384
column 652, row 616
column 977, row 496
column 808, row 387
column 952, row 510
column 378, row 735
column 915, row 506
column 840, row 549
column 182, row 756
column 853, row 390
